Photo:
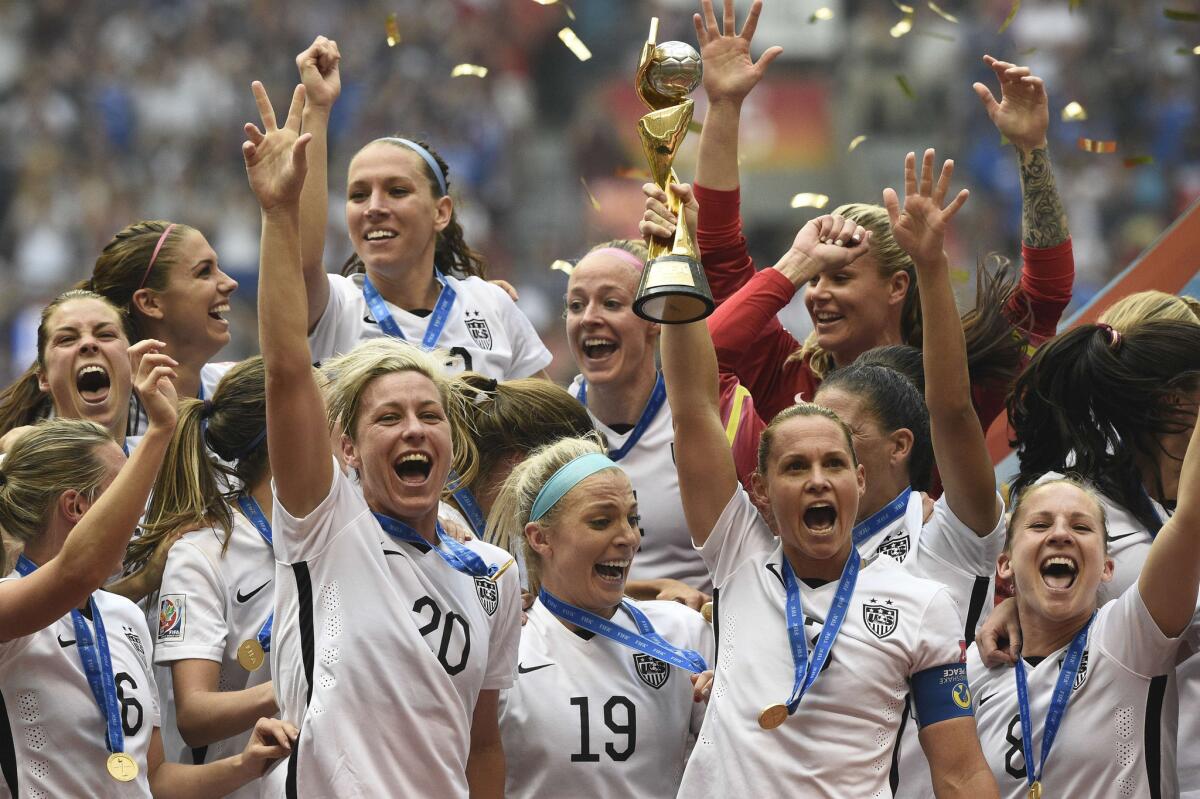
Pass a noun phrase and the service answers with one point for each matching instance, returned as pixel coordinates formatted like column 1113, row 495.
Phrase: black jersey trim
column 199, row 753
column 716, row 625
column 290, row 787
column 894, row 775
column 304, row 598
column 8, row 751
column 1153, row 734
column 979, row 593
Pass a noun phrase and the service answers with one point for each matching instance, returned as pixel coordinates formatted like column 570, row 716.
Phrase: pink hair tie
column 154, row 256
column 1114, row 335
column 624, row 255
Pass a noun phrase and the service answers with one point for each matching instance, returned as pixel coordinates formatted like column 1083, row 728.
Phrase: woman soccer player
column 601, row 706
column 367, row 582
column 878, row 631
column 412, row 275
column 620, row 384
column 75, row 673
column 217, row 592
column 1089, row 707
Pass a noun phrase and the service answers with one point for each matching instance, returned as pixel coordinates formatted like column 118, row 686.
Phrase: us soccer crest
column 477, row 326
column 880, row 619
column 1081, row 675
column 489, row 594
column 896, row 547
column 652, row 671
column 134, row 639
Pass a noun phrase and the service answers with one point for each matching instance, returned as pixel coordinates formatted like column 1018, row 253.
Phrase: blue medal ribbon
column 806, row 670
column 881, row 518
column 97, row 664
column 468, row 505
column 458, row 557
column 657, row 397
column 1058, row 703
column 437, row 320
column 646, row 640
column 254, row 512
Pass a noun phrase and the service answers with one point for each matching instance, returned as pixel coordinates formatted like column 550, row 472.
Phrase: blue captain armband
column 942, row 693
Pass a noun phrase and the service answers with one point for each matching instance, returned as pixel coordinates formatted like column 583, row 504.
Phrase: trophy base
column 673, row 291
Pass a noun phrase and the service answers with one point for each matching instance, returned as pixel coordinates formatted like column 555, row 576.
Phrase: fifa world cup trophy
column 673, row 289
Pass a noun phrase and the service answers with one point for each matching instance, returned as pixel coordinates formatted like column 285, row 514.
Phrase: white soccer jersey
column 666, row 548
column 52, row 744
column 597, row 719
column 379, row 653
column 485, row 331
column 840, row 741
column 210, row 602
column 1118, row 734
column 210, row 376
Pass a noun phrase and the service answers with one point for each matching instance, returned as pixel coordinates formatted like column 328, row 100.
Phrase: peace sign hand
column 920, row 229
column 275, row 157
column 729, row 71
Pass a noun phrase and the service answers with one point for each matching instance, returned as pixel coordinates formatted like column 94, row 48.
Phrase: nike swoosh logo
column 246, row 597
column 392, row 552
column 1112, row 538
column 65, row 644
column 983, row 699
column 522, row 670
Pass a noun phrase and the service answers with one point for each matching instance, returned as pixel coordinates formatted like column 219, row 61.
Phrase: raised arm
column 102, row 533
column 1022, row 116
column 322, row 82
column 1171, row 574
column 959, row 447
column 729, row 75
column 296, row 429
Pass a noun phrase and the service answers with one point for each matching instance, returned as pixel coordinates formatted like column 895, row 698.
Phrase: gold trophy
column 673, row 289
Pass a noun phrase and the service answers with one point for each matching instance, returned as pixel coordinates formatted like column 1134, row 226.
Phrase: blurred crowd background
column 116, row 111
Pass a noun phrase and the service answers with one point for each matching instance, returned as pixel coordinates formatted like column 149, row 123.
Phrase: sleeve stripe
column 740, row 393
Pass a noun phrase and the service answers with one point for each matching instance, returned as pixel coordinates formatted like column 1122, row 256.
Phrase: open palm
column 920, row 226
column 1023, row 113
column 275, row 162
column 729, row 71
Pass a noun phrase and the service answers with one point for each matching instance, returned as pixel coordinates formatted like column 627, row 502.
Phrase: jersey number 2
column 446, row 623
column 628, row 728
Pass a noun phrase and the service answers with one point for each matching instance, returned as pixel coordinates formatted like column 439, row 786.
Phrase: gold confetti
column 857, row 140
column 696, row 127
column 809, row 200
column 1097, row 145
column 1138, row 160
column 570, row 13
column 904, row 87
column 959, row 276
column 1027, row 51
column 575, row 44
column 473, row 70
column 902, row 27
column 1012, row 14
column 592, row 197
column 820, row 15
column 566, row 267
column 1188, row 50
column 1073, row 112
column 905, row 8
column 393, row 31
column 948, row 17
column 1181, row 16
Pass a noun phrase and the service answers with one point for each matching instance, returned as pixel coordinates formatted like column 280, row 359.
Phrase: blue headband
column 429, row 159
column 566, row 478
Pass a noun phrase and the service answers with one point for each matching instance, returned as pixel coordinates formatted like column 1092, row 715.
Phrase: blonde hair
column 510, row 512
column 891, row 258
column 190, row 488
column 492, row 421
column 1143, row 306
column 1018, row 505
column 805, row 409
column 57, row 455
column 349, row 375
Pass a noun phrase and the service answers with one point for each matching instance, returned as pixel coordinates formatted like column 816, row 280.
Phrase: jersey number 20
column 445, row 623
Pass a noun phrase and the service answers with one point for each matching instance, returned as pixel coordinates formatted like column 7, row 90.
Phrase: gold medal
column 122, row 767
column 1035, row 790
column 772, row 716
column 706, row 611
column 251, row 655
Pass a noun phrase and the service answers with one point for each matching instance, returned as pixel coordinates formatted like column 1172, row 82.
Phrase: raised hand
column 319, row 73
column 920, row 228
column 1023, row 114
column 658, row 221
column 729, row 71
column 154, row 376
column 275, row 157
column 824, row 244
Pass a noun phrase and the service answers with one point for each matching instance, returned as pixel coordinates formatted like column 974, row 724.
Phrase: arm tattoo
column 1043, row 220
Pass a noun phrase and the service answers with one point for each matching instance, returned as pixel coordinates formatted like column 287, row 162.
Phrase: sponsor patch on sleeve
column 941, row 693
column 172, row 609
